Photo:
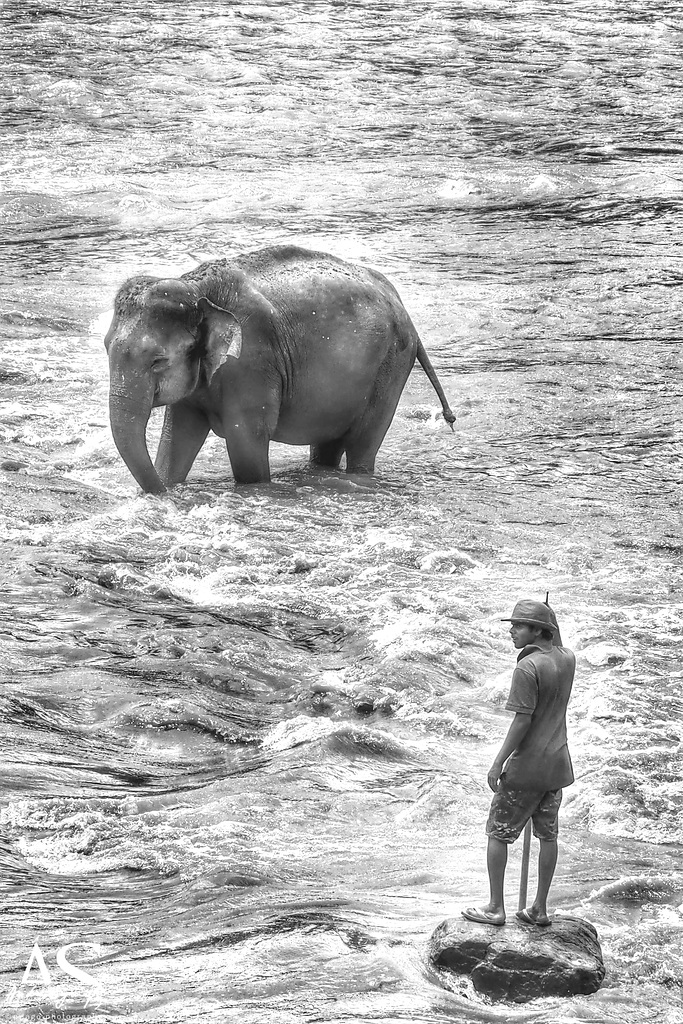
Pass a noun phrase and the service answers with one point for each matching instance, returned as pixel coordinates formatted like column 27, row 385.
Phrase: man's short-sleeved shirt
column 541, row 685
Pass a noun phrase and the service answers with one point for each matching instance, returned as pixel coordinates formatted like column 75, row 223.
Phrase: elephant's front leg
column 184, row 431
column 248, row 430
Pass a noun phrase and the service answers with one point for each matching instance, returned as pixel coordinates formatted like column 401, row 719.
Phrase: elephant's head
column 166, row 339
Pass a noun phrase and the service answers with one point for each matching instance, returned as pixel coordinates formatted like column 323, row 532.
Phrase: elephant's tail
column 426, row 365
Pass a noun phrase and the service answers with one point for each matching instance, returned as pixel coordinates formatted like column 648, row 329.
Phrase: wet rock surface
column 520, row 962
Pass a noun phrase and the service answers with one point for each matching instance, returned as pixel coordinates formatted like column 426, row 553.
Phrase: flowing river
column 245, row 733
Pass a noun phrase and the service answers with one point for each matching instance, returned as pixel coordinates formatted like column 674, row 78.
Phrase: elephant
column 281, row 344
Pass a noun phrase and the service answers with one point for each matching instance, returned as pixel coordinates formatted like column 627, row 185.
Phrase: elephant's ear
column 223, row 336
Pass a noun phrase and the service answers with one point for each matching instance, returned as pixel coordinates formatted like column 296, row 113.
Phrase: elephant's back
column 271, row 263
column 281, row 272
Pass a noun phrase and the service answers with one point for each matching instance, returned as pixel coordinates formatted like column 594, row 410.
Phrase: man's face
column 523, row 634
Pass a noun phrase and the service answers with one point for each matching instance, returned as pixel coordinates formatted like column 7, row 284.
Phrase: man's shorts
column 511, row 809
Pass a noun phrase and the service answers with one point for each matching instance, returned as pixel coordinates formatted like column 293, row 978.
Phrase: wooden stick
column 526, row 846
column 524, row 876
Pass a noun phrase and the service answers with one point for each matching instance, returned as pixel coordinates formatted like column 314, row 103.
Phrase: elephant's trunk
column 130, row 405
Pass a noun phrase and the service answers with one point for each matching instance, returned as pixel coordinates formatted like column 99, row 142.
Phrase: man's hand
column 494, row 775
column 516, row 733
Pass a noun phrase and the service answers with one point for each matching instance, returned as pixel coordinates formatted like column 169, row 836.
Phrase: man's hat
column 535, row 613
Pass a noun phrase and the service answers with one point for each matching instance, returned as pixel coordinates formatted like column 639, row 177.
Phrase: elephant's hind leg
column 328, row 454
column 363, row 440
column 360, row 456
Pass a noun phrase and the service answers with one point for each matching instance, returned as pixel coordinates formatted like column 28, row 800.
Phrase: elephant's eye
column 159, row 363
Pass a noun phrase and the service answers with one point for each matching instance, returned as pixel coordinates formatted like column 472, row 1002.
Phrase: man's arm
column 516, row 733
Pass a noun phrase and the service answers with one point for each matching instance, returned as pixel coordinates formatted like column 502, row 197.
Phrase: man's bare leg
column 496, row 862
column 537, row 913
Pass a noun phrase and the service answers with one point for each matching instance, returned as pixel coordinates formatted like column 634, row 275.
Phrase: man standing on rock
column 533, row 764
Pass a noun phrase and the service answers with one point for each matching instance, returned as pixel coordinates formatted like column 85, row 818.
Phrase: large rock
column 520, row 962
